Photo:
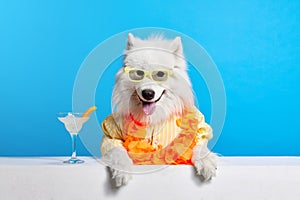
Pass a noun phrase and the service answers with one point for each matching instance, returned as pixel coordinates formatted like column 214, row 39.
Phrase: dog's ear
column 130, row 41
column 176, row 46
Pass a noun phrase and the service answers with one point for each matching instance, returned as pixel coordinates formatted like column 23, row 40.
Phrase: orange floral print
column 179, row 151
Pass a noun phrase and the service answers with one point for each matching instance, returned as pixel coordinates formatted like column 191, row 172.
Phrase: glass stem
column 74, row 138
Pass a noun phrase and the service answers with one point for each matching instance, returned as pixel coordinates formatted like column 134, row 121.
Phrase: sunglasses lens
column 136, row 75
column 160, row 76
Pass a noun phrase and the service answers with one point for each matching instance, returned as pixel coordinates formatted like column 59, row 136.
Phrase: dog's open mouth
column 149, row 107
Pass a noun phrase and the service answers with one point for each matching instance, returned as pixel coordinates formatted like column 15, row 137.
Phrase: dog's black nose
column 148, row 94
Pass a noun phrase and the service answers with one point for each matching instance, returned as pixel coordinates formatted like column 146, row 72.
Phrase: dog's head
column 153, row 83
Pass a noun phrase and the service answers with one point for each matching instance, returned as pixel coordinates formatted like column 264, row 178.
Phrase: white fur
column 204, row 161
column 120, row 165
column 176, row 94
column 154, row 53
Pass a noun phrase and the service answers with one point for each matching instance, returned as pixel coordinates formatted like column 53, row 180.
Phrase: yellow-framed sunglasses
column 138, row 75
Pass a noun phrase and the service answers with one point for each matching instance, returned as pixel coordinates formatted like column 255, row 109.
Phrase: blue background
column 255, row 44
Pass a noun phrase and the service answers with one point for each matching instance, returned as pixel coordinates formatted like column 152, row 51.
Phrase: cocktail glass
column 73, row 123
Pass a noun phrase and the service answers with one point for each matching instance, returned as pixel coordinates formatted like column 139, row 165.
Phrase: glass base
column 73, row 161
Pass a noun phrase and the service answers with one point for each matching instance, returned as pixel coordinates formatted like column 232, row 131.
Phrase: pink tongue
column 148, row 108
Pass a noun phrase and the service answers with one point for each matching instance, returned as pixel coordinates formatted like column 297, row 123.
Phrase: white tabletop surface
column 43, row 178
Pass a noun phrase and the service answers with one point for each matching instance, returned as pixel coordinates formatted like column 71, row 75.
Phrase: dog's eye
column 139, row 73
column 136, row 75
column 160, row 76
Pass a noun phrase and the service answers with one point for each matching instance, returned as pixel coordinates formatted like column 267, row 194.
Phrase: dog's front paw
column 205, row 162
column 121, row 178
column 120, row 165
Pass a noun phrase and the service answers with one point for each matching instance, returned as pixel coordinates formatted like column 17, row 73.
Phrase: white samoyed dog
column 152, row 87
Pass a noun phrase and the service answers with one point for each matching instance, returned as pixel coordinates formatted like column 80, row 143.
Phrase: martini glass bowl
column 73, row 123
